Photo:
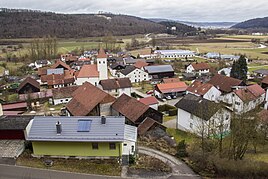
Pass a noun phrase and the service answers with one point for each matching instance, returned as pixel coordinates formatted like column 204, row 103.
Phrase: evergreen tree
column 240, row 69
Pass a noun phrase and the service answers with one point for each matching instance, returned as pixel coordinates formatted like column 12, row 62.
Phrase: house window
column 125, row 144
column 112, row 146
column 191, row 125
column 227, row 117
column 132, row 148
column 237, row 103
column 99, row 62
column 66, row 99
column 95, row 146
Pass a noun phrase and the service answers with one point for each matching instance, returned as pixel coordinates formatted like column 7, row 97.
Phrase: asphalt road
column 16, row 172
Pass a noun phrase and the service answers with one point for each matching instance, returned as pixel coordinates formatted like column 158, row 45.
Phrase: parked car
column 150, row 92
column 168, row 97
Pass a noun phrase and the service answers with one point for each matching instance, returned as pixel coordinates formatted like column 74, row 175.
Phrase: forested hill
column 259, row 23
column 28, row 23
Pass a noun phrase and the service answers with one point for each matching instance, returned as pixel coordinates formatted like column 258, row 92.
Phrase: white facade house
column 206, row 90
column 244, row 99
column 134, row 74
column 117, row 86
column 130, row 140
column 63, row 95
column 197, row 115
column 225, row 71
column 174, row 53
column 198, row 68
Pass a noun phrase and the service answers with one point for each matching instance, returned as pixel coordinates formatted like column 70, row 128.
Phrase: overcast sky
column 187, row 10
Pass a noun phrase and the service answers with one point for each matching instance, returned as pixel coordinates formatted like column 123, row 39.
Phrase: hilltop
column 16, row 23
column 258, row 23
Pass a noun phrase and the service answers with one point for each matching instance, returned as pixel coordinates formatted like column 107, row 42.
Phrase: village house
column 69, row 58
column 174, row 53
column 134, row 74
column 226, row 85
column 40, row 63
column 170, row 90
column 198, row 115
column 15, row 108
column 63, row 95
column 260, row 73
column 89, row 100
column 134, row 110
column 34, row 99
column 205, row 90
column 198, row 68
column 247, row 98
column 158, row 72
column 82, row 137
column 150, row 101
column 115, row 68
column 29, row 85
column 93, row 73
column 264, row 83
column 116, row 86
column 140, row 64
column 225, row 71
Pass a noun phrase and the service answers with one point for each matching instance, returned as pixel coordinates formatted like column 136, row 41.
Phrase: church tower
column 102, row 65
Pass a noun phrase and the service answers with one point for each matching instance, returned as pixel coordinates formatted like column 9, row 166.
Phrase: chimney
column 103, row 120
column 58, row 128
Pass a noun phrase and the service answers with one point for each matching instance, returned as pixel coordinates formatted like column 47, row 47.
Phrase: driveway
column 179, row 169
column 171, row 123
column 17, row 172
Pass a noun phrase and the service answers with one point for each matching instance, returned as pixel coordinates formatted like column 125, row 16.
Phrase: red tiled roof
column 171, row 80
column 86, row 98
column 57, row 79
column 101, row 54
column 38, row 95
column 88, row 71
column 224, row 83
column 250, row 92
column 149, row 100
column 14, row 106
column 129, row 107
column 171, row 87
column 200, row 66
column 198, row 88
column 263, row 116
column 139, row 64
column 61, row 63
column 12, row 113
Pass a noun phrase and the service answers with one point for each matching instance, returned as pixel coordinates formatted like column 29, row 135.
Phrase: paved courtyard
column 11, row 148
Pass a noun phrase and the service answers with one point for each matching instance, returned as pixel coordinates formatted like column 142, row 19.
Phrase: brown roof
column 149, row 100
column 60, row 63
column 200, row 66
column 42, row 71
column 88, row 71
column 14, row 106
column 117, row 83
column 86, row 98
column 130, row 107
column 56, row 79
column 146, row 125
column 171, row 80
column 139, row 64
column 29, row 80
column 198, row 88
column 224, row 83
column 101, row 54
column 250, row 93
column 65, row 92
column 265, row 80
column 171, row 87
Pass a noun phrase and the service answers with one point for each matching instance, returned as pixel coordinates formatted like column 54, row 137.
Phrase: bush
column 132, row 159
column 166, row 107
column 181, row 149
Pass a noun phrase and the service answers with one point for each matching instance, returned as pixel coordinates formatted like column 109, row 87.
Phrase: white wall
column 102, row 68
column 154, row 106
column 129, row 148
column 213, row 94
column 191, row 123
column 190, row 69
column 61, row 101
column 93, row 81
column 136, row 76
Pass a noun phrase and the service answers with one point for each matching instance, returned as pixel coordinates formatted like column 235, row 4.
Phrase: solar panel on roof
column 84, row 125
column 55, row 71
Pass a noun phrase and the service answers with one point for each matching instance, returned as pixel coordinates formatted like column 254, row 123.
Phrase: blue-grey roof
column 174, row 52
column 55, row 71
column 159, row 69
column 44, row 129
